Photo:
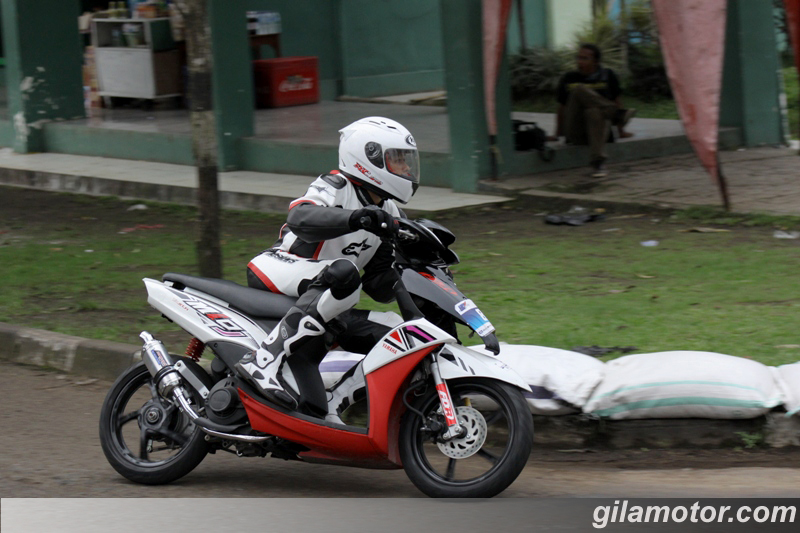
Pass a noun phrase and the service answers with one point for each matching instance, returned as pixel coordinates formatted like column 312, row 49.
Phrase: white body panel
column 469, row 363
column 406, row 338
column 203, row 316
column 415, row 335
column 210, row 319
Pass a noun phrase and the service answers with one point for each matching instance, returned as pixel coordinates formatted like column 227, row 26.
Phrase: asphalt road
column 50, row 448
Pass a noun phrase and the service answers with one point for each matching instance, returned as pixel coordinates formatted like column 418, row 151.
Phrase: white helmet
column 381, row 155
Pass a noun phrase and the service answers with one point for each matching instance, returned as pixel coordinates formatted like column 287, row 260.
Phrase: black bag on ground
column 529, row 136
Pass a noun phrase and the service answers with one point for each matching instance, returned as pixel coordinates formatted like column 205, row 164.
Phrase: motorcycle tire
column 146, row 438
column 484, row 462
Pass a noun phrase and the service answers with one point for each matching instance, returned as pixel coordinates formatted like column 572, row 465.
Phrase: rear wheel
column 482, row 463
column 145, row 437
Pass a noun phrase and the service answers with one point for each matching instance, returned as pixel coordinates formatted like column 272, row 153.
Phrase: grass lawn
column 74, row 264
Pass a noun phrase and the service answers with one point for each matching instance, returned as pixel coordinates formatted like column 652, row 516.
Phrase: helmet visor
column 404, row 163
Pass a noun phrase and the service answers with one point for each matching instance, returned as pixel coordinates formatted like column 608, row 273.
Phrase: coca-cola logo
column 296, row 83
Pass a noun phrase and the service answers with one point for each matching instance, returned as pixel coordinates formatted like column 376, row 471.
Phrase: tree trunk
column 204, row 140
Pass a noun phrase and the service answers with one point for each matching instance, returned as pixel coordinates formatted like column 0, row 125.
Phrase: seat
column 252, row 302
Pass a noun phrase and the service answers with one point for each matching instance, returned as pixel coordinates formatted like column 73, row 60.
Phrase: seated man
column 588, row 101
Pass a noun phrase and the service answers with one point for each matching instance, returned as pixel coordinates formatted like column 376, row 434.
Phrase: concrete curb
column 75, row 355
column 107, row 360
column 271, row 200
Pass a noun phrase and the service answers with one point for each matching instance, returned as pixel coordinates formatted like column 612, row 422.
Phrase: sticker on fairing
column 474, row 318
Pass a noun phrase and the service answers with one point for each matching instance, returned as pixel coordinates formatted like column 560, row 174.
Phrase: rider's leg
column 334, row 290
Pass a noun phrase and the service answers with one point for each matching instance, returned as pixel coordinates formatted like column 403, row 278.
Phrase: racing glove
column 375, row 220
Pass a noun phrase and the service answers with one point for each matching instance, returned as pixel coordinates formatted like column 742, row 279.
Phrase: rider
column 331, row 233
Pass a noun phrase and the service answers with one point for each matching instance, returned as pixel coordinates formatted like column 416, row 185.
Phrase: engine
column 223, row 405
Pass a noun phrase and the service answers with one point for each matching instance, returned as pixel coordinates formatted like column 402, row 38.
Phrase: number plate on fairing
column 473, row 316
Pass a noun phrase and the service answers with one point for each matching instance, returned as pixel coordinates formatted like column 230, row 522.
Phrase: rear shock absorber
column 195, row 349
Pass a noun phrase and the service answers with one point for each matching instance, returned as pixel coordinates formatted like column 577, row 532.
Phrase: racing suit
column 317, row 258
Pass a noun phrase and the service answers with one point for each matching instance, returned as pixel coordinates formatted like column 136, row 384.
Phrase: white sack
column 789, row 382
column 684, row 385
column 561, row 380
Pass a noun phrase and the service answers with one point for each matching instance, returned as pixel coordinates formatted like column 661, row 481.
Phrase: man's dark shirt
column 604, row 81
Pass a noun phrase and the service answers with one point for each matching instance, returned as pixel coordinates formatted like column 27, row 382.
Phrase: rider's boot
column 261, row 367
column 334, row 290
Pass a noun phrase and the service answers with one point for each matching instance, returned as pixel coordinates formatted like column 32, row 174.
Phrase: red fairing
column 385, row 386
column 333, row 443
column 377, row 448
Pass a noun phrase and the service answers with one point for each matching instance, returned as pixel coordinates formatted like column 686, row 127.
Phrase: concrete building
column 365, row 49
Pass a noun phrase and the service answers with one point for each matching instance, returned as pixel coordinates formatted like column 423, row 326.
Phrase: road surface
column 51, row 449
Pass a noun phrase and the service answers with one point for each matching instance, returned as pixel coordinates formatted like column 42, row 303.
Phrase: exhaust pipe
column 159, row 364
column 168, row 382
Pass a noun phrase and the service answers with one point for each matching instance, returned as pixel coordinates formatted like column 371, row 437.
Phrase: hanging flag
column 495, row 23
column 793, row 21
column 692, row 34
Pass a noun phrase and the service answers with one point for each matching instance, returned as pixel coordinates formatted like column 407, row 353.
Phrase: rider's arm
column 379, row 275
column 314, row 223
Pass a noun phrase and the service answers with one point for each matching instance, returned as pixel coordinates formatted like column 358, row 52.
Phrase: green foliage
column 648, row 76
column 535, row 72
column 629, row 45
column 750, row 440
column 607, row 35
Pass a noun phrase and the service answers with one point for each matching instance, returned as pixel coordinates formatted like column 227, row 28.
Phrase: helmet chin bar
column 363, row 189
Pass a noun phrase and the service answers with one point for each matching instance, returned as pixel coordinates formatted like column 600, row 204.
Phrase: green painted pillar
column 463, row 59
column 44, row 58
column 750, row 79
column 232, row 78
column 504, row 107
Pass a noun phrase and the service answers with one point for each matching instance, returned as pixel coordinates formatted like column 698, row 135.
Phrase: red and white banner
column 495, row 24
column 692, row 34
column 793, row 19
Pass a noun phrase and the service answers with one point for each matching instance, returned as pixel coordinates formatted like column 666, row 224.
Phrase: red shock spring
column 195, row 349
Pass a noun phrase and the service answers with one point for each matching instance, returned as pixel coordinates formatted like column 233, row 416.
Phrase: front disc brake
column 475, row 425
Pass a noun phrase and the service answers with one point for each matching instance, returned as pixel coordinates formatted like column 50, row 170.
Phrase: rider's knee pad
column 342, row 278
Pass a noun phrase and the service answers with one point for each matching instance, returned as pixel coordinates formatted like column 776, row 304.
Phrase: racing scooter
column 454, row 419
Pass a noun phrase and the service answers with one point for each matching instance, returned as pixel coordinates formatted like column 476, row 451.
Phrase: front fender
column 460, row 362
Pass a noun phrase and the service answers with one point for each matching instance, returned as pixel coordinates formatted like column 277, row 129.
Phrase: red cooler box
column 286, row 81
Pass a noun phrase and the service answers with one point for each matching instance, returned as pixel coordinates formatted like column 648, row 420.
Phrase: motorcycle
column 454, row 419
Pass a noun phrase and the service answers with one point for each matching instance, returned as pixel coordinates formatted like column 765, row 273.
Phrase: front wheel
column 145, row 437
column 482, row 463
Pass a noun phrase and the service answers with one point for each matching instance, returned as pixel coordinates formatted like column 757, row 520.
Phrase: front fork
column 454, row 429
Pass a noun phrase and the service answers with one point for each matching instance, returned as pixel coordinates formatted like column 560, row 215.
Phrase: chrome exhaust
column 159, row 364
column 168, row 382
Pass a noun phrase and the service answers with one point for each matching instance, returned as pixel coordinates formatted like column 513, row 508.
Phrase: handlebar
column 403, row 233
